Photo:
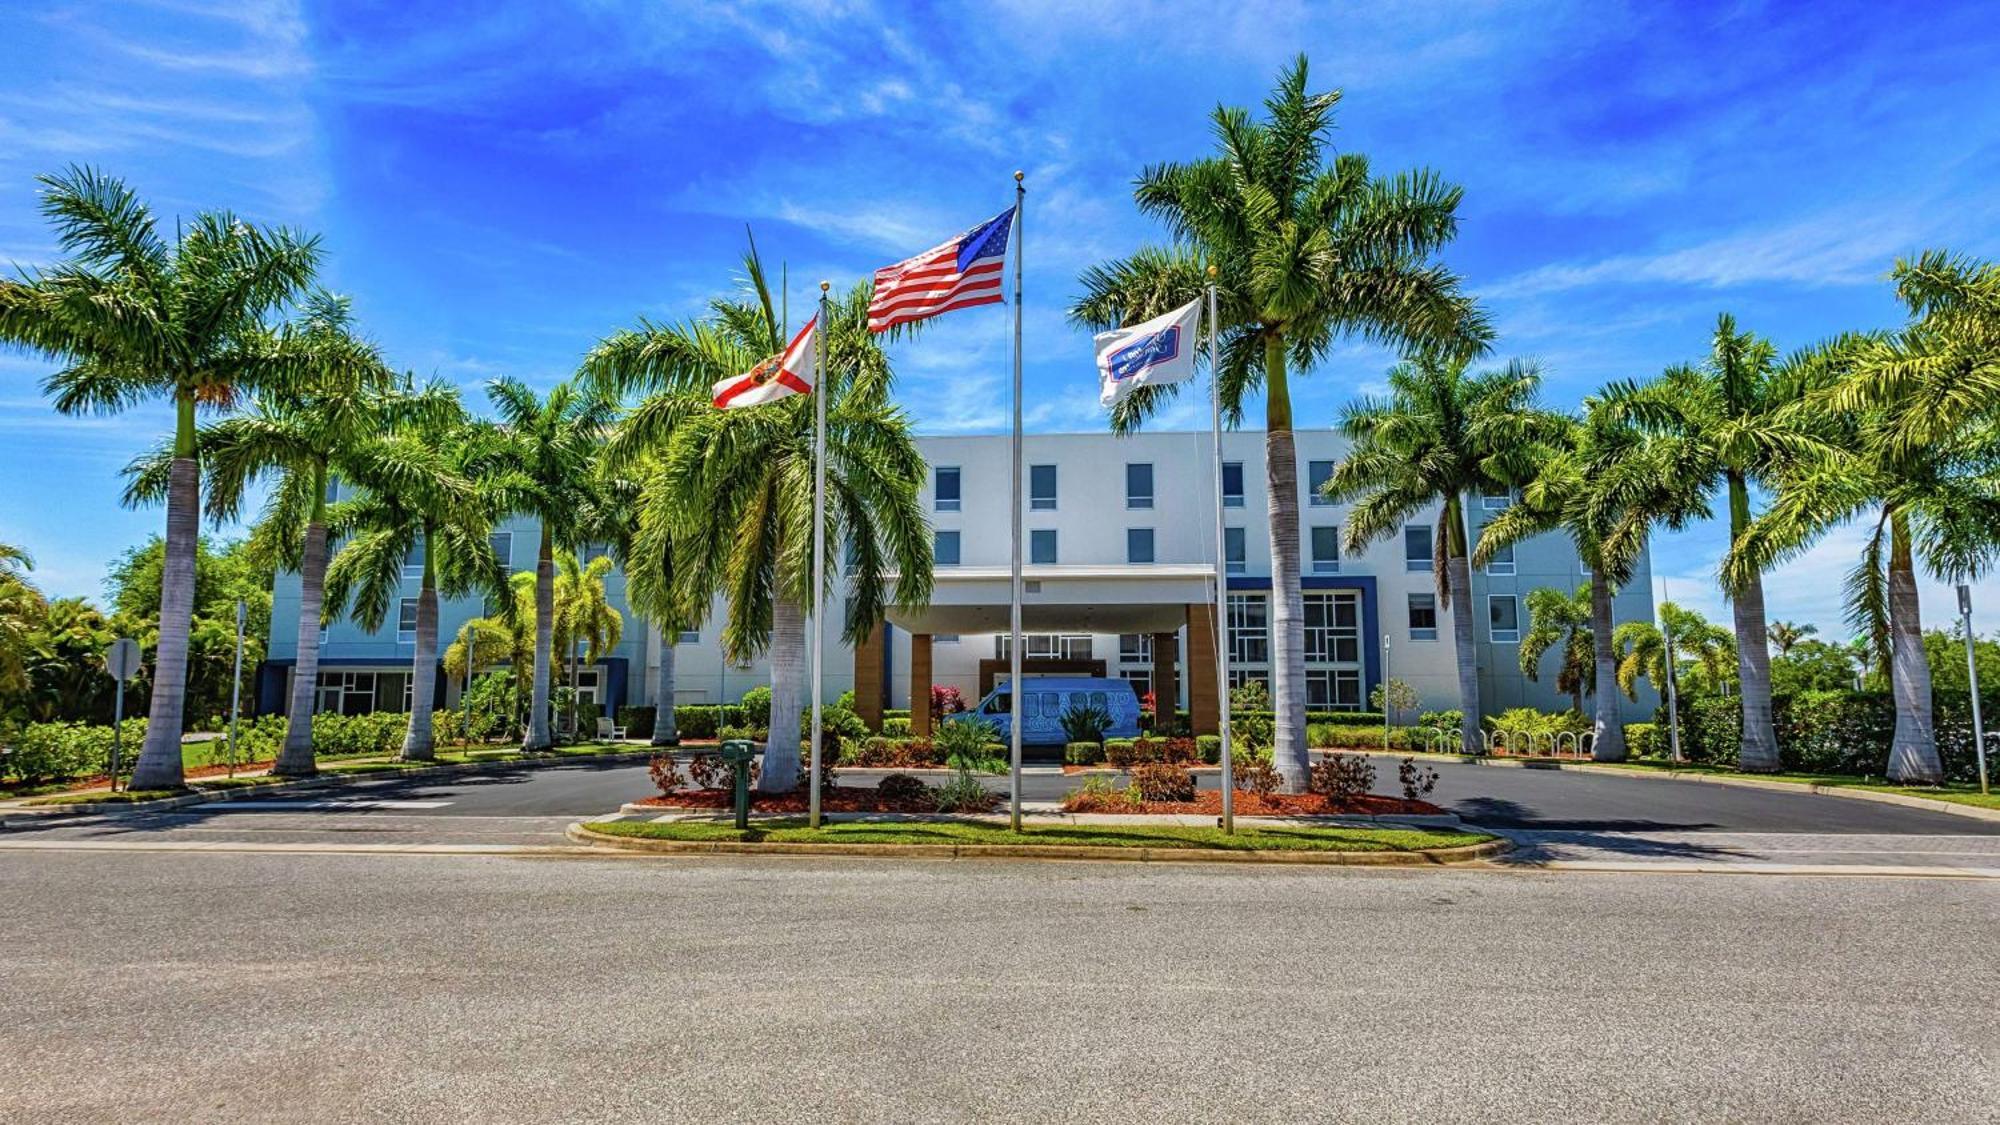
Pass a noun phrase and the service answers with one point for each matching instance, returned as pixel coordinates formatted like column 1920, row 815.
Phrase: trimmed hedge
column 1083, row 753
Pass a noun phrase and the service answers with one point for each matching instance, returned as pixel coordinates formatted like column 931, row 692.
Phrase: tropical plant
column 1919, row 411
column 1641, row 649
column 1559, row 620
column 426, row 505
column 587, row 625
column 1439, row 435
column 133, row 318
column 550, row 457
column 1305, row 254
column 730, row 498
column 225, row 574
column 293, row 436
column 1393, row 698
column 1736, row 422
column 1085, row 722
column 1787, row 635
column 21, row 610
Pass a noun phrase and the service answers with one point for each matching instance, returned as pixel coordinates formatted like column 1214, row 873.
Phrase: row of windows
column 948, row 491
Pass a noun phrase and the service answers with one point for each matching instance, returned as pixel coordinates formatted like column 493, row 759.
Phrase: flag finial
column 1019, row 175
column 824, row 286
column 1211, row 273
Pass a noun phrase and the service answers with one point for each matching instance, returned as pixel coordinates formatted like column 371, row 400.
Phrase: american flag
column 959, row 274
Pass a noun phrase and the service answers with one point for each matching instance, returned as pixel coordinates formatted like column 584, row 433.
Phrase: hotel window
column 1326, row 550
column 688, row 637
column 1138, row 485
column 1333, row 627
column 1046, row 646
column 1232, row 484
column 1423, row 617
column 1333, row 689
column 1503, row 616
column 944, row 638
column 406, row 621
column 332, row 488
column 1249, row 629
column 1138, row 544
column 1042, row 488
column 413, row 563
column 1417, row 547
column 489, row 606
column 1233, row 556
column 502, row 543
column 1495, row 497
column 947, row 495
column 594, row 551
column 1135, row 648
column 1502, row 562
column 1042, row 547
column 1141, row 679
column 1317, row 474
column 944, row 548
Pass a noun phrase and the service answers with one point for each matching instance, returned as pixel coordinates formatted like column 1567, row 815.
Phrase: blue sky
column 500, row 183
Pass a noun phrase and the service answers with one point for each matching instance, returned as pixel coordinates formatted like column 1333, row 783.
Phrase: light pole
column 1673, row 693
column 1972, row 678
column 1387, row 703
column 236, row 683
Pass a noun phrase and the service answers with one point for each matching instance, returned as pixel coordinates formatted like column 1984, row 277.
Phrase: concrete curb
column 1904, row 799
column 1434, row 858
column 307, row 784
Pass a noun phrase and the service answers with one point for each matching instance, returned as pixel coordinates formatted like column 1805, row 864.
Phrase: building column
column 1204, row 704
column 920, row 685
column 1166, row 687
column 869, row 690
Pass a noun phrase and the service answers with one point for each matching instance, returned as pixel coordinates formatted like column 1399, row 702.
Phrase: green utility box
column 737, row 754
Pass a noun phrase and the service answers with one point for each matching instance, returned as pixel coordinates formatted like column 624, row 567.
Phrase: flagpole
column 1014, row 608
column 1221, row 568
column 816, row 621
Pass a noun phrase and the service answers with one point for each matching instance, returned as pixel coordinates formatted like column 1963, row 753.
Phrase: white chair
column 609, row 730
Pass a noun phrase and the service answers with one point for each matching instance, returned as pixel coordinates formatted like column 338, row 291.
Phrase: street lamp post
column 236, row 684
column 1972, row 678
column 1386, row 693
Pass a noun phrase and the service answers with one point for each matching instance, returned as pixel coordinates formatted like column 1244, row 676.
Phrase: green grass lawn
column 982, row 834
column 99, row 796
column 1957, row 792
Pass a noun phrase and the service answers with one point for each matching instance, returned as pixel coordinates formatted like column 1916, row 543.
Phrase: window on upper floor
column 1326, row 549
column 406, row 621
column 1135, row 648
column 688, row 637
column 502, row 543
column 1502, row 562
column 1042, row 488
column 1503, row 617
column 1423, row 617
column 1317, row 474
column 944, row 548
column 1232, row 484
column 1138, row 544
column 1234, row 557
column 1138, row 485
column 413, row 563
column 1042, row 547
column 1494, row 497
column 946, row 490
column 1417, row 546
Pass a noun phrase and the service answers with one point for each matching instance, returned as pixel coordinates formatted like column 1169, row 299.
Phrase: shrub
column 1646, row 740
column 1085, row 722
column 1179, row 751
column 1417, row 781
column 896, row 728
column 1209, row 746
column 946, row 700
column 1339, row 776
column 638, row 721
column 351, row 735
column 45, row 752
column 756, row 706
column 1714, row 731
column 1101, row 793
column 966, row 744
column 1121, row 752
column 709, row 771
column 666, row 774
column 902, row 789
column 1450, row 719
column 1158, row 781
column 1255, row 774
column 1083, row 753
column 964, row 794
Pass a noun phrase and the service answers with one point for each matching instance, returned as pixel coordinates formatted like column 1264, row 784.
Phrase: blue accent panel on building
column 1371, row 614
column 271, row 677
column 617, row 672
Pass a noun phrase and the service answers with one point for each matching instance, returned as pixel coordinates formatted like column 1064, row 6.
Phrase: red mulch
column 1209, row 803
column 839, row 798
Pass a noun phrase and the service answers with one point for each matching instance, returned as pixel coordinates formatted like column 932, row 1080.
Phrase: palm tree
column 504, row 637
column 294, row 435
column 424, row 503
column 21, row 610
column 1786, row 635
column 1641, row 648
column 1601, row 483
column 550, row 456
column 1307, row 254
column 1737, row 425
column 729, row 502
column 134, row 318
column 1556, row 618
column 1439, row 435
column 1919, row 411
column 586, row 623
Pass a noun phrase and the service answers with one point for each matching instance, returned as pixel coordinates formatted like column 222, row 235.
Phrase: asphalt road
column 249, row 987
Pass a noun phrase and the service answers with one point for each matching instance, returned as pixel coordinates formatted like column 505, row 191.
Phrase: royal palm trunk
column 1913, row 755
column 788, row 678
column 666, row 732
column 420, row 743
column 537, row 735
column 1609, row 729
column 1759, row 753
column 1458, row 590
column 1288, row 631
column 295, row 758
column 159, row 764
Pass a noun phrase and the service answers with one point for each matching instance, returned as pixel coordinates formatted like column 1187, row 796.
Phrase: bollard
column 737, row 753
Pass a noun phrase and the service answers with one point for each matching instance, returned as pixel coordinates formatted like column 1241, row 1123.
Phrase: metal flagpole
column 1014, row 608
column 1673, row 694
column 1221, row 569
column 816, row 618
column 236, row 683
column 1972, row 680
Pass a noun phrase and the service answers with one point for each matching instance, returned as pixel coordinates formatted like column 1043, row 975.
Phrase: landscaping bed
column 1208, row 802
column 833, row 798
column 949, row 835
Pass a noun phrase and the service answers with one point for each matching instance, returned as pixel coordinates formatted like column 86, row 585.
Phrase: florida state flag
column 792, row 372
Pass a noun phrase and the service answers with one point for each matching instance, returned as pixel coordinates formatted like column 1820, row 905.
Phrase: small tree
column 1393, row 698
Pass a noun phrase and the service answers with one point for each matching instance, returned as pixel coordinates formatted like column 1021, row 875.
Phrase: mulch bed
column 839, row 798
column 1209, row 803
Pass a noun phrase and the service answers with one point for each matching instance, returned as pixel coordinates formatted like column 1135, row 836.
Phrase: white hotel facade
column 1118, row 563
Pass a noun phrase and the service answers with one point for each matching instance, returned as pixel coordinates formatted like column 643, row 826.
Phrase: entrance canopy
column 1087, row 598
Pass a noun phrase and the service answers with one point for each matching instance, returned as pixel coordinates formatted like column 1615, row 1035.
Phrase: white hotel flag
column 1160, row 350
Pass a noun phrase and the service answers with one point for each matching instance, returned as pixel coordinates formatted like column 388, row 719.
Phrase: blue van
column 1046, row 699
